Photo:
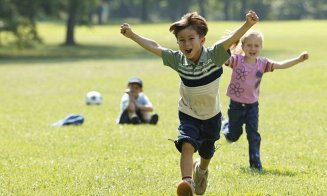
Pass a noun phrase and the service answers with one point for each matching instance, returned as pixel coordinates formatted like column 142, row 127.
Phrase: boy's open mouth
column 188, row 51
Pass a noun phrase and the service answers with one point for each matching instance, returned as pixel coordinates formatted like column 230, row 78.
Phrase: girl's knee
column 234, row 134
column 254, row 138
column 233, row 138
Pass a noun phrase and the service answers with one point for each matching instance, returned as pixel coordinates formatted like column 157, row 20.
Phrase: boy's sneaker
column 135, row 120
column 185, row 188
column 154, row 119
column 225, row 129
column 200, row 178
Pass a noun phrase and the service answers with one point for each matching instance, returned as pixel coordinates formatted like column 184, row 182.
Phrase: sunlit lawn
column 42, row 85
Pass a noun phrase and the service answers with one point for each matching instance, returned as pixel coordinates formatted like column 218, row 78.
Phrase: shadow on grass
column 268, row 171
column 56, row 53
column 71, row 53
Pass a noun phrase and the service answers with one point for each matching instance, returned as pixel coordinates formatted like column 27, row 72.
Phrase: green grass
column 42, row 85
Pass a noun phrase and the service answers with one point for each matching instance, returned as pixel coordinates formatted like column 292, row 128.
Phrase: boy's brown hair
column 194, row 20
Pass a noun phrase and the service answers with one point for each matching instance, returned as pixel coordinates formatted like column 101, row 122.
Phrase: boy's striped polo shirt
column 199, row 82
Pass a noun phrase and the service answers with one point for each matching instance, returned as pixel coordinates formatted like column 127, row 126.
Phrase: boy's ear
column 202, row 39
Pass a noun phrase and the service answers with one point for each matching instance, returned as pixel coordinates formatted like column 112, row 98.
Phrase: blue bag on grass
column 73, row 119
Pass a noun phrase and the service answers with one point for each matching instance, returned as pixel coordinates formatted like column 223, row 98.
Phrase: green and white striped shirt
column 199, row 82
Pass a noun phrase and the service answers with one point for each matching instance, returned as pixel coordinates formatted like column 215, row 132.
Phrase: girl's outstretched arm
column 251, row 19
column 291, row 62
column 146, row 43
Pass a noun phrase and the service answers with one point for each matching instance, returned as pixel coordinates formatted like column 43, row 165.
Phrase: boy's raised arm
column 251, row 19
column 146, row 43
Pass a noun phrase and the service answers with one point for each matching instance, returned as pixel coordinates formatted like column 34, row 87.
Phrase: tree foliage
column 20, row 16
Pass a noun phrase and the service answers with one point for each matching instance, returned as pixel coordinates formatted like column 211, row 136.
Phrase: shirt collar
column 203, row 58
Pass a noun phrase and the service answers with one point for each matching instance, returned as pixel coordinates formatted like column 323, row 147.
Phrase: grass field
column 42, row 85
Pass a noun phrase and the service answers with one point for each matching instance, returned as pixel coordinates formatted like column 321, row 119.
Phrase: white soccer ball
column 93, row 98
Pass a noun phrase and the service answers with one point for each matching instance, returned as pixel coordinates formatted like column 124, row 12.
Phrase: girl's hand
column 251, row 18
column 303, row 56
column 126, row 30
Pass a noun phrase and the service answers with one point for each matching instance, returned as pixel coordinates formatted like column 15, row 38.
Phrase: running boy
column 243, row 90
column 199, row 107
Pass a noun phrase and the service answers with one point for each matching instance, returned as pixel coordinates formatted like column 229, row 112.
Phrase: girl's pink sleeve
column 232, row 61
column 269, row 65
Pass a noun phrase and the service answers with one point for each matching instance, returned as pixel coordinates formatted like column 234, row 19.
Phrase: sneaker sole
column 184, row 189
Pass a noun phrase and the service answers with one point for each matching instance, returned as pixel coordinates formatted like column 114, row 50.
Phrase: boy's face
column 134, row 89
column 190, row 43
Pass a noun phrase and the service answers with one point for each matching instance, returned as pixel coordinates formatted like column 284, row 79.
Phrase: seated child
column 135, row 106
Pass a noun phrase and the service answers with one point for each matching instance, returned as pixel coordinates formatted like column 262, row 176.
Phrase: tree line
column 20, row 16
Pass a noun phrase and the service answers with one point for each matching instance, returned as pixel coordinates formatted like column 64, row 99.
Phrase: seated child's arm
column 291, row 62
column 146, row 43
column 251, row 19
column 145, row 108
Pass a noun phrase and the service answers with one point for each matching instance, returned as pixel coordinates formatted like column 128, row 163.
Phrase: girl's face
column 252, row 46
column 190, row 43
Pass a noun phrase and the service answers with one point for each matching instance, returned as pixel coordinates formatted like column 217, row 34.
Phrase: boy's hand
column 126, row 30
column 251, row 18
column 303, row 56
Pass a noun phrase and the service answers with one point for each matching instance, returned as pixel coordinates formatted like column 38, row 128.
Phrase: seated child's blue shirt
column 199, row 82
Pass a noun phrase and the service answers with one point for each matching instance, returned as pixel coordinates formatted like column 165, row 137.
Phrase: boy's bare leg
column 146, row 116
column 186, row 186
column 204, row 163
column 131, row 110
column 186, row 162
column 200, row 175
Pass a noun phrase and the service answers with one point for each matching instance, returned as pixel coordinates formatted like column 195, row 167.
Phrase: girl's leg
column 236, row 112
column 253, row 136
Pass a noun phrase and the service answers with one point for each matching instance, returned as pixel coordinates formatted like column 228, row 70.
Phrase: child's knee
column 186, row 146
column 254, row 137
column 233, row 138
column 131, row 108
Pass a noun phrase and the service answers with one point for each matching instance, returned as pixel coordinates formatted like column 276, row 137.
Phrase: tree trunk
column 184, row 7
column 144, row 11
column 202, row 8
column 226, row 10
column 243, row 9
column 70, row 39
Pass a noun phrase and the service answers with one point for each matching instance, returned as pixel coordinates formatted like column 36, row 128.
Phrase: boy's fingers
column 254, row 16
column 123, row 28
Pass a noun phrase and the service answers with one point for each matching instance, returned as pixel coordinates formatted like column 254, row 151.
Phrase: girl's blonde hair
column 236, row 48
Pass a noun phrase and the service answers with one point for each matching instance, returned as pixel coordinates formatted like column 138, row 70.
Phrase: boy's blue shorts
column 202, row 134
